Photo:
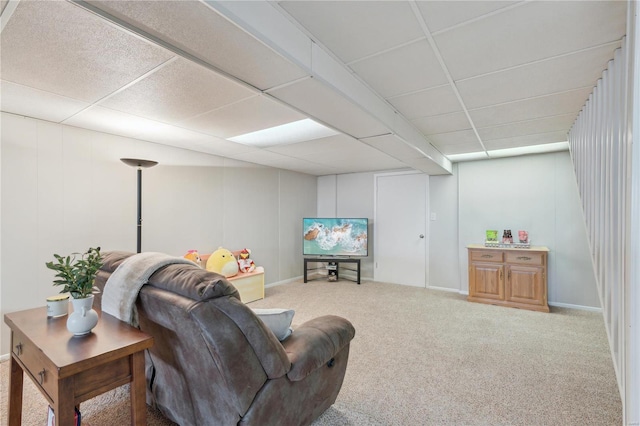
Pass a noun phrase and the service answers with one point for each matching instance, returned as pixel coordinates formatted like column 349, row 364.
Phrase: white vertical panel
column 631, row 305
column 327, row 196
column 600, row 150
column 297, row 200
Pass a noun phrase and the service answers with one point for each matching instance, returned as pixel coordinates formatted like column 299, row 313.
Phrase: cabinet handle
column 500, row 273
column 19, row 349
column 509, row 276
column 42, row 375
column 486, row 256
column 524, row 258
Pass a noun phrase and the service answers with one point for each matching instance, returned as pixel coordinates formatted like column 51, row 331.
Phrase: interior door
column 400, row 229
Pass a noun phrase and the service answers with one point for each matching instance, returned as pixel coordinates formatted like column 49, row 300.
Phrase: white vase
column 83, row 318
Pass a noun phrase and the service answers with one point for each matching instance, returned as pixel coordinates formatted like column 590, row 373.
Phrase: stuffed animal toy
column 244, row 262
column 193, row 256
column 223, row 262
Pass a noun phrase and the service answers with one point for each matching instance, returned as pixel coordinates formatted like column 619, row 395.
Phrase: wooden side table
column 69, row 370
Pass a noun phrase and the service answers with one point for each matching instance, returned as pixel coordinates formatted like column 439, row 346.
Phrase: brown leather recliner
column 215, row 362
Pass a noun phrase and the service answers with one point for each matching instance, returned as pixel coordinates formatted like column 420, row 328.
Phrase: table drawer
column 36, row 364
column 486, row 255
column 524, row 258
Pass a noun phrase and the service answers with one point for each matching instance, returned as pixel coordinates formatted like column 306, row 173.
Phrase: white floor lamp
column 134, row 162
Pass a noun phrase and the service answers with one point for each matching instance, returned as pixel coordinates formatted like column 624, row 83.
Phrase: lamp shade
column 136, row 162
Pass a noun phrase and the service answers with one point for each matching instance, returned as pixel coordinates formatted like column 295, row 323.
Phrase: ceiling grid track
column 452, row 83
column 125, row 87
column 541, row 61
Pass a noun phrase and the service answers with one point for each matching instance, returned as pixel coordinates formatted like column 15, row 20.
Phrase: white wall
column 64, row 189
column 537, row 193
column 444, row 270
column 349, row 195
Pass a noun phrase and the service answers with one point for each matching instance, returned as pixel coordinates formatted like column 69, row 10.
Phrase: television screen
column 335, row 236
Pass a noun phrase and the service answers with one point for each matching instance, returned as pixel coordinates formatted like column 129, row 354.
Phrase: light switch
column 433, row 216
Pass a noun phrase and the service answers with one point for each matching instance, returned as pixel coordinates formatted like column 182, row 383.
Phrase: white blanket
column 122, row 287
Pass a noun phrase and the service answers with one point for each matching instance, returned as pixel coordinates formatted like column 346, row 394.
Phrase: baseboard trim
column 447, row 289
column 579, row 307
column 287, row 281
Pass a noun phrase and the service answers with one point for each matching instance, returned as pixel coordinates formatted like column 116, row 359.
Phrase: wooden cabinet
column 509, row 277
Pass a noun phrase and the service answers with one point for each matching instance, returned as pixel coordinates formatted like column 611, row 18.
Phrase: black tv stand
column 336, row 260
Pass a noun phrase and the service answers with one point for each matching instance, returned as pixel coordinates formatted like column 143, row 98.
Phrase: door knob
column 421, row 235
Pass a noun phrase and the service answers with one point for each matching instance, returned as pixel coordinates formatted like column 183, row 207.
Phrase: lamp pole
column 134, row 162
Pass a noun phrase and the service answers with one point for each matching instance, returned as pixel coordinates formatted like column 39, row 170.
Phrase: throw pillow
column 278, row 321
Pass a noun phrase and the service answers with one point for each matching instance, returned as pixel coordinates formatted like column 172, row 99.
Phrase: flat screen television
column 335, row 236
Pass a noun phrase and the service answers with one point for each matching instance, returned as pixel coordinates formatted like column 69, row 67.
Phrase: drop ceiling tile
column 359, row 158
column 444, row 140
column 183, row 138
column 22, row 100
column 405, row 69
column 443, row 123
column 59, row 48
column 318, row 147
column 439, row 100
column 326, row 105
column 542, row 78
column 460, row 148
column 118, row 123
column 246, row 116
column 558, row 123
column 272, row 159
column 313, row 169
column 394, row 146
column 178, row 90
column 543, row 106
column 518, row 141
column 526, row 33
column 209, row 37
column 443, row 14
column 110, row 121
column 369, row 26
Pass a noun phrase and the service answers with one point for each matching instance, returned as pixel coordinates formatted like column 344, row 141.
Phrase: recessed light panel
column 296, row 131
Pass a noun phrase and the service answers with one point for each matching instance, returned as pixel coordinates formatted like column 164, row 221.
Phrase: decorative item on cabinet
column 491, row 239
column 508, row 277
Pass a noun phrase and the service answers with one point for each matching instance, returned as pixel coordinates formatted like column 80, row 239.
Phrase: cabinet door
column 486, row 281
column 526, row 284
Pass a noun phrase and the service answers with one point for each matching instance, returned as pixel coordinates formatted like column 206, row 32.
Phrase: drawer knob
column 487, row 256
column 19, row 349
column 524, row 258
column 42, row 375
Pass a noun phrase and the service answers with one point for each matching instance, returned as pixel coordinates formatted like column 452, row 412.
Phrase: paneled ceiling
column 405, row 83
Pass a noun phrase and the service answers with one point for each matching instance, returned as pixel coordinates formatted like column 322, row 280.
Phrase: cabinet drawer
column 524, row 258
column 486, row 255
column 37, row 365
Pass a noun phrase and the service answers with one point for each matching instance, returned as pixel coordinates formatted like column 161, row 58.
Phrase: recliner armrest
column 315, row 343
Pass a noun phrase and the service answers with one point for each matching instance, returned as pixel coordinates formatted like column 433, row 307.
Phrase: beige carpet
column 424, row 357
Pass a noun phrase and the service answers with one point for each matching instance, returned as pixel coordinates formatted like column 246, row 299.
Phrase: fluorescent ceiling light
column 510, row 152
column 468, row 156
column 297, row 131
column 534, row 149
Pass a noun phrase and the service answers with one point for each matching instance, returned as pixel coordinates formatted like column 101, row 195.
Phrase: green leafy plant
column 77, row 276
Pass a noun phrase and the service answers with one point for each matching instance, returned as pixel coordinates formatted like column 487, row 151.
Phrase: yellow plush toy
column 223, row 262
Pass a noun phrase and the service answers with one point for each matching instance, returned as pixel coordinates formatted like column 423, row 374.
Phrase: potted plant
column 78, row 276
